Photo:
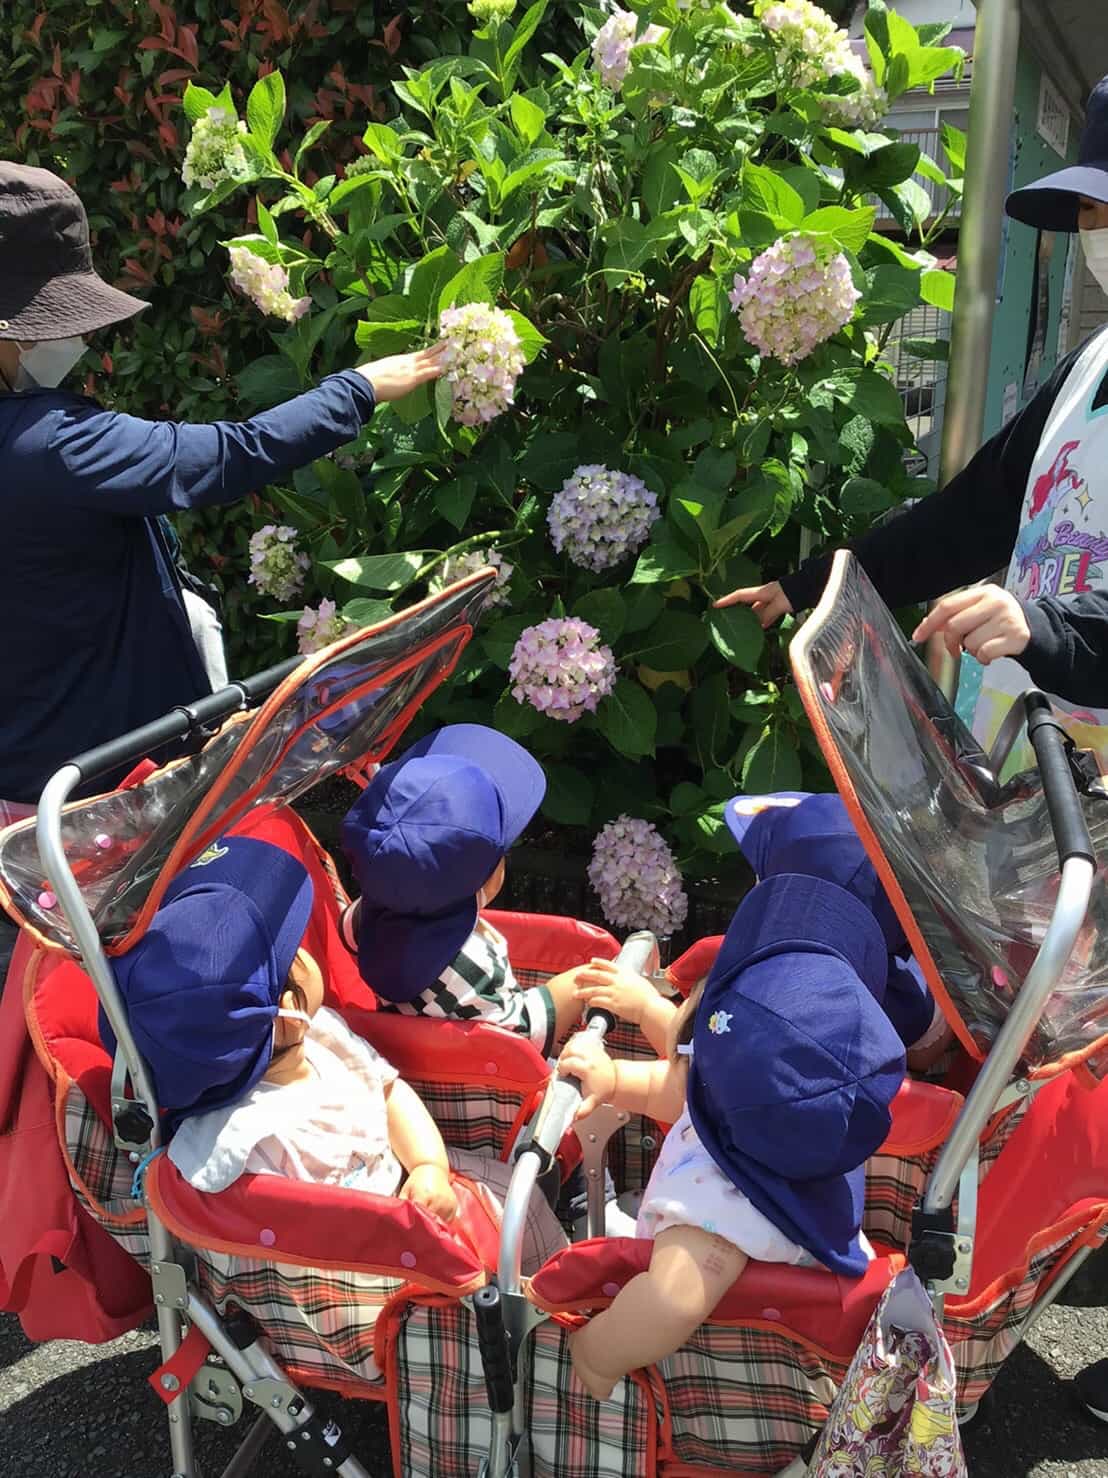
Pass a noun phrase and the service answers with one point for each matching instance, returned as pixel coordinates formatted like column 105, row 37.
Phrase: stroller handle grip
column 182, row 721
column 492, row 1341
column 1052, row 745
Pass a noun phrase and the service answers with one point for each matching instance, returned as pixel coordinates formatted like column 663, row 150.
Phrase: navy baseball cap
column 1051, row 204
column 202, row 985
column 423, row 837
column 795, row 1064
column 798, row 832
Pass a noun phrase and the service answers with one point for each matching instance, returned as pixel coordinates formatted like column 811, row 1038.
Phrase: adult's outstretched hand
column 400, row 374
column 768, row 602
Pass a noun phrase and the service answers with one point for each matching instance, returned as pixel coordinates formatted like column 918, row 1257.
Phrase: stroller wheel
column 1091, row 1388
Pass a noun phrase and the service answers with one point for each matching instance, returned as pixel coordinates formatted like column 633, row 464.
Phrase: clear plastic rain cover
column 975, row 859
column 352, row 706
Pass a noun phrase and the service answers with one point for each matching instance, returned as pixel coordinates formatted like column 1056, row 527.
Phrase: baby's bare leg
column 653, row 1315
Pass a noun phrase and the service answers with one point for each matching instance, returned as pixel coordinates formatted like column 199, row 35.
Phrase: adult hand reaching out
column 768, row 602
column 400, row 374
column 985, row 621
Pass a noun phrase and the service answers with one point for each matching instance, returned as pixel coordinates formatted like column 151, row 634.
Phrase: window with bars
column 921, row 382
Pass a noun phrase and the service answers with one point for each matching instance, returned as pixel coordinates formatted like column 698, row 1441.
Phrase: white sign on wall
column 1053, row 125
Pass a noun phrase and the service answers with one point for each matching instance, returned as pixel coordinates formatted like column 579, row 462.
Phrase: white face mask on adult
column 1095, row 246
column 47, row 363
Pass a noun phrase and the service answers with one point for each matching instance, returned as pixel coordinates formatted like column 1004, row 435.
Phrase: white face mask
column 46, row 364
column 295, row 1016
column 1095, row 246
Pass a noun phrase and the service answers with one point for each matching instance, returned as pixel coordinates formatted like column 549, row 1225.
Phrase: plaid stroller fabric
column 895, row 1410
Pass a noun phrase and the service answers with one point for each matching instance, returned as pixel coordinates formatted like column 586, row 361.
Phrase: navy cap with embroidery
column 795, row 1064
column 202, row 985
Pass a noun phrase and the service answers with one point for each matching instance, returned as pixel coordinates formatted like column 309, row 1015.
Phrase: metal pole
column 991, row 117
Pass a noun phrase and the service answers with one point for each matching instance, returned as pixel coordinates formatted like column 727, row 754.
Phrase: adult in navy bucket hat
column 426, row 841
column 1032, row 502
column 799, row 832
column 202, row 987
column 795, row 1065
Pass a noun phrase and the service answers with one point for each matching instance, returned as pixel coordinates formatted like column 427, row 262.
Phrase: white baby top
column 333, row 1127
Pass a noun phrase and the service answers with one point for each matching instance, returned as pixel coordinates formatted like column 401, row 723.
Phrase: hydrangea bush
column 646, row 234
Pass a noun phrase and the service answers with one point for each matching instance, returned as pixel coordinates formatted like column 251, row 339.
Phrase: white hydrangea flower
column 215, row 151
column 483, row 360
column 815, row 50
column 277, row 566
column 799, row 292
column 611, row 49
column 266, row 284
column 458, row 566
column 318, row 628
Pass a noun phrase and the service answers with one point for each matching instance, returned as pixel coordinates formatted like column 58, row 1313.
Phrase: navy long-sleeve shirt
column 966, row 532
column 96, row 636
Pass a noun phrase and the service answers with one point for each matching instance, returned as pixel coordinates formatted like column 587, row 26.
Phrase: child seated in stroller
column 427, row 841
column 256, row 1075
column 778, row 1084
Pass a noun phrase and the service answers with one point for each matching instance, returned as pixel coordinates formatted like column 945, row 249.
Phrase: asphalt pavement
column 82, row 1411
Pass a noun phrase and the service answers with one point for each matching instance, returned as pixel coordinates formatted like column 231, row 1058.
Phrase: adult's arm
column 1068, row 650
column 957, row 535
column 105, row 461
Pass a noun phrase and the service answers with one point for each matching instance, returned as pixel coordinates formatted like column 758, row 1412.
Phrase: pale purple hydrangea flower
column 799, row 292
column 461, row 565
column 266, row 284
column 611, row 50
column 636, row 878
column 562, row 668
column 277, row 566
column 318, row 628
column 483, row 360
column 215, row 151
column 814, row 50
column 598, row 516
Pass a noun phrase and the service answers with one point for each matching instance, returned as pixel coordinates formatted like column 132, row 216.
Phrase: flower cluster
column 266, row 284
column 561, row 668
column 319, row 628
column 816, row 50
column 599, row 516
column 486, row 11
column 215, row 151
column 483, row 361
column 276, row 565
column 636, row 878
column 799, row 292
column 458, row 566
column 611, row 50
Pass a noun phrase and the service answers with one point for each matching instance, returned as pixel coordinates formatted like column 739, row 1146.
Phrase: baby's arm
column 605, row 985
column 656, row 1089
column 653, row 1315
column 417, row 1144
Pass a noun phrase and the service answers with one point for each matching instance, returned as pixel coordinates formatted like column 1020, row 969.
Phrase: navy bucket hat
column 1051, row 204
column 423, row 837
column 794, row 1063
column 798, row 832
column 203, row 983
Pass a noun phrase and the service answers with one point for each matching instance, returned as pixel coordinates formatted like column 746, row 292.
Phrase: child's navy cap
column 796, row 831
column 795, row 1064
column 426, row 833
column 1051, row 204
column 202, row 985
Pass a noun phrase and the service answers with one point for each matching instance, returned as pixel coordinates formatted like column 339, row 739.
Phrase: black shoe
column 1091, row 1387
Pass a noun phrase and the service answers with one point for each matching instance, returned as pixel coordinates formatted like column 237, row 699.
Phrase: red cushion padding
column 818, row 1307
column 327, row 1226
column 694, row 964
column 923, row 1114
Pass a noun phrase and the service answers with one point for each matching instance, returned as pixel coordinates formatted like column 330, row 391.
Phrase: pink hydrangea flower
column 636, row 878
column 483, row 360
column 599, row 517
column 215, row 151
column 611, row 49
column 461, row 565
column 277, row 566
column 562, row 668
column 266, row 284
column 813, row 50
column 318, row 628
column 799, row 292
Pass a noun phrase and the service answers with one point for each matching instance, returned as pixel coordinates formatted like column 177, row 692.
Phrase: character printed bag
column 894, row 1413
